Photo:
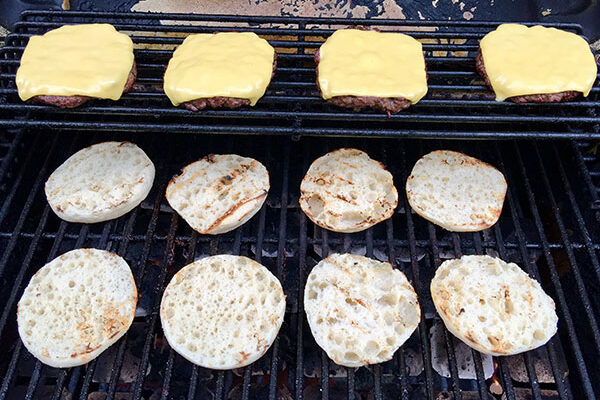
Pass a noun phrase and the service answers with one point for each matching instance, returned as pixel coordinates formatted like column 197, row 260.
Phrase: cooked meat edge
column 220, row 101
column 531, row 98
column 75, row 101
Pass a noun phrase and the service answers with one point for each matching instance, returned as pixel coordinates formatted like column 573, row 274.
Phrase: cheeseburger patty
column 220, row 101
column 531, row 98
column 75, row 101
column 390, row 105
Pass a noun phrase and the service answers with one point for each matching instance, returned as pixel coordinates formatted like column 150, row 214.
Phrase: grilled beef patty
column 75, row 101
column 530, row 98
column 215, row 102
column 219, row 101
column 391, row 105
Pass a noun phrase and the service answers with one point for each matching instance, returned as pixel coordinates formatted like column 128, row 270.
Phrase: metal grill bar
column 137, row 392
column 529, row 364
column 558, row 287
column 280, row 259
column 442, row 244
column 583, row 295
column 292, row 104
column 417, row 284
column 532, row 270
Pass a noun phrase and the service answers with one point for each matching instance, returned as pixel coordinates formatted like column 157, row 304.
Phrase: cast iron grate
column 548, row 226
column 458, row 103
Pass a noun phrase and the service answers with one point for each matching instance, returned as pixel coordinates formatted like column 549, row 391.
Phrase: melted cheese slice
column 520, row 61
column 367, row 63
column 89, row 60
column 225, row 64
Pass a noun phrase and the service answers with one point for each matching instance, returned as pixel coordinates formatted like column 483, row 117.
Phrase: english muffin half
column 493, row 306
column 76, row 306
column 222, row 312
column 100, row 182
column 347, row 191
column 219, row 193
column 455, row 191
column 360, row 310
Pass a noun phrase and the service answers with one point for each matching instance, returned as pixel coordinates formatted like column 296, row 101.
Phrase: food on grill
column 76, row 306
column 67, row 66
column 493, row 306
column 536, row 64
column 76, row 101
column 222, row 312
column 455, row 191
column 100, row 182
column 368, row 69
column 219, row 193
column 347, row 191
column 360, row 310
column 226, row 69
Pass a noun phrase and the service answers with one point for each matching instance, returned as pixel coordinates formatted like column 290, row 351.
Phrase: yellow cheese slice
column 368, row 63
column 89, row 60
column 227, row 64
column 521, row 61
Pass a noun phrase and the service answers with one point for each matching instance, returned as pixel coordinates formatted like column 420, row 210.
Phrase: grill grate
column 549, row 224
column 458, row 104
column 549, row 227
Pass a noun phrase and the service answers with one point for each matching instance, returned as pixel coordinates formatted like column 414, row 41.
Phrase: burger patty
column 215, row 102
column 75, row 101
column 530, row 98
column 391, row 105
column 220, row 101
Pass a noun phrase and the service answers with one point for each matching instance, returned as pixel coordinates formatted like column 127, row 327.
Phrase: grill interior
column 549, row 225
column 458, row 103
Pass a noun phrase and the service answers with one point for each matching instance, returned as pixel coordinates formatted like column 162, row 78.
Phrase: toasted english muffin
column 455, row 191
column 347, row 191
column 76, row 306
column 219, row 193
column 493, row 306
column 360, row 310
column 222, row 312
column 100, row 182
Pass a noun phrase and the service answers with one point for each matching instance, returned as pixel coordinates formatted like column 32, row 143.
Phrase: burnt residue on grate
column 458, row 104
column 548, row 227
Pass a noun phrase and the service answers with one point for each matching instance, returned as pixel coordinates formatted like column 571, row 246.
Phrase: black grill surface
column 549, row 227
column 458, row 103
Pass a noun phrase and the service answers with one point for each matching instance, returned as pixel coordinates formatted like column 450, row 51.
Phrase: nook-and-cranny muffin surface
column 69, row 65
column 536, row 64
column 226, row 69
column 369, row 69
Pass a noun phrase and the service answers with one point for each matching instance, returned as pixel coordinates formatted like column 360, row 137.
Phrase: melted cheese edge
column 368, row 63
column 89, row 60
column 538, row 60
column 227, row 64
